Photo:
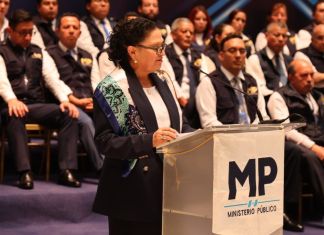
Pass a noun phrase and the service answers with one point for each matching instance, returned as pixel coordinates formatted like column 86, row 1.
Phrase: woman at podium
column 135, row 110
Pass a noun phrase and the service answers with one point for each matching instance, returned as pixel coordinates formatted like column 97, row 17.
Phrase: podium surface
column 225, row 180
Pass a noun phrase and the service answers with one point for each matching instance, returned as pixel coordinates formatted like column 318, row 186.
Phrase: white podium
column 225, row 180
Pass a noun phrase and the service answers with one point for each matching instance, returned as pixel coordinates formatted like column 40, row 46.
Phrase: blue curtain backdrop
column 299, row 11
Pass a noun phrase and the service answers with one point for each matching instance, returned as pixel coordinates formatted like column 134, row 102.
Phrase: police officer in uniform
column 80, row 72
column 25, row 72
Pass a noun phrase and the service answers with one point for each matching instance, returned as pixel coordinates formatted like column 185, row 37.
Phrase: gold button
column 145, row 168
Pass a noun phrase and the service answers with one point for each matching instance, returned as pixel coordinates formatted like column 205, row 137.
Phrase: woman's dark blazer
column 137, row 197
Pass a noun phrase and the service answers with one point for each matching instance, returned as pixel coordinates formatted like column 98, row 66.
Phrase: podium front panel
column 196, row 182
column 248, row 183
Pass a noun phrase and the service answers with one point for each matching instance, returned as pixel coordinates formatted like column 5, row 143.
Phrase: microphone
column 261, row 121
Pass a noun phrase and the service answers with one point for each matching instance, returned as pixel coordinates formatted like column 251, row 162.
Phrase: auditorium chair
column 35, row 132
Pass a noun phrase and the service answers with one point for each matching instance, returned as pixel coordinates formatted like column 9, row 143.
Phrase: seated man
column 187, row 63
column 45, row 23
column 219, row 103
column 25, row 71
column 299, row 97
column 314, row 55
column 150, row 9
column 269, row 65
column 96, row 26
column 80, row 72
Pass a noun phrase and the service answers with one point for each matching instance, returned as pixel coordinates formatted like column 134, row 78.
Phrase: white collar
column 271, row 54
column 230, row 76
column 178, row 50
column 65, row 49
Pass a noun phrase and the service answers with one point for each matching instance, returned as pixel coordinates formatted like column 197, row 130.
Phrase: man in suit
column 299, row 97
column 218, row 103
column 314, row 54
column 79, row 70
column 269, row 65
column 96, row 26
column 186, row 63
column 26, row 70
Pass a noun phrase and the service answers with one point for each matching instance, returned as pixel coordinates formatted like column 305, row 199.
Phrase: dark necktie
column 72, row 54
column 190, row 73
column 243, row 115
column 280, row 70
column 50, row 25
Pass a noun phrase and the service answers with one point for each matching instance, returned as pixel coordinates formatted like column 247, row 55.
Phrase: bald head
column 300, row 76
column 318, row 38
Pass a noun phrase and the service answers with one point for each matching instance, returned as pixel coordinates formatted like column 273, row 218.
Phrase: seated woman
column 202, row 24
column 134, row 112
column 219, row 33
column 237, row 19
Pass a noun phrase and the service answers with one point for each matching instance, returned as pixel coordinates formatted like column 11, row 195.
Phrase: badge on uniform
column 86, row 61
column 36, row 56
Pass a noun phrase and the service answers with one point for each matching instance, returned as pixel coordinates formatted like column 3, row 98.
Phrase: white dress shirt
column 253, row 67
column 3, row 29
column 279, row 110
column 159, row 107
column 206, row 101
column 305, row 38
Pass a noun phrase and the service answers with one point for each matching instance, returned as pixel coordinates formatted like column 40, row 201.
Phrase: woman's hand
column 163, row 135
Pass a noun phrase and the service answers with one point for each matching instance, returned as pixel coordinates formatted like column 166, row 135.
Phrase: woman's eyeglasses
column 158, row 49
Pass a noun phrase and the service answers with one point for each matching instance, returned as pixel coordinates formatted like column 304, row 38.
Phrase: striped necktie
column 106, row 30
column 280, row 70
column 243, row 115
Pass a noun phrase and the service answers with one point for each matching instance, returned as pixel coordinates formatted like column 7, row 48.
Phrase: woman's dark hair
column 131, row 14
column 127, row 33
column 19, row 16
column 192, row 14
column 227, row 38
column 232, row 15
column 218, row 30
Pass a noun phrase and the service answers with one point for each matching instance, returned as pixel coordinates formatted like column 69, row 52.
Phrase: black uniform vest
column 75, row 74
column 271, row 75
column 24, row 72
column 178, row 66
column 48, row 35
column 316, row 57
column 296, row 103
column 227, row 104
